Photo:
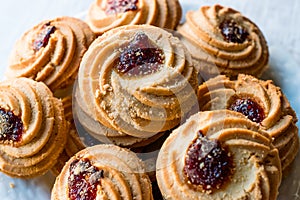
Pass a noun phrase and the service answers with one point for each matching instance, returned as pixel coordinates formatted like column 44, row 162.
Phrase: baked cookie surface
column 51, row 52
column 223, row 41
column 218, row 155
column 39, row 130
column 262, row 102
column 104, row 15
column 137, row 80
column 105, row 172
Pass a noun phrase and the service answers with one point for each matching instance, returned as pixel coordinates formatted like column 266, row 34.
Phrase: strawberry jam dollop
column 120, row 6
column 208, row 165
column 249, row 108
column 140, row 57
column 233, row 32
column 43, row 37
column 11, row 126
column 83, row 180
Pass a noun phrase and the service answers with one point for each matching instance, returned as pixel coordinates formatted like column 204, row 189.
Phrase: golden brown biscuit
column 218, row 155
column 262, row 102
column 223, row 41
column 51, row 52
column 104, row 15
column 33, row 128
column 103, row 172
column 135, row 79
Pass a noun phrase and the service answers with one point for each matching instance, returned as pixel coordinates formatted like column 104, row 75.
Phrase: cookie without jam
column 222, row 155
column 259, row 100
column 223, row 41
column 51, row 52
column 44, row 128
column 108, row 171
column 104, row 15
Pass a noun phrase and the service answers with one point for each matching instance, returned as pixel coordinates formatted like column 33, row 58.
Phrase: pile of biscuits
column 182, row 109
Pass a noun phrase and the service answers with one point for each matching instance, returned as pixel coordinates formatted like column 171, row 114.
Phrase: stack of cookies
column 194, row 96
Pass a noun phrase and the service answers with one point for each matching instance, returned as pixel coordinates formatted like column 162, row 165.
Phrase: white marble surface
column 279, row 21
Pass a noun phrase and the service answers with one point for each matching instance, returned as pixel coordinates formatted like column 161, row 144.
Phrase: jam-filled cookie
column 103, row 172
column 137, row 80
column 262, row 102
column 33, row 129
column 104, row 15
column 51, row 52
column 218, row 155
column 223, row 41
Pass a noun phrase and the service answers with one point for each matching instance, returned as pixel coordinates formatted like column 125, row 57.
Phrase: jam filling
column 249, row 108
column 140, row 57
column 208, row 165
column 83, row 180
column 233, row 32
column 120, row 6
column 43, row 37
column 11, row 126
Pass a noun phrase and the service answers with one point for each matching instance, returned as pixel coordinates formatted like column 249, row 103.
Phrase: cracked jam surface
column 120, row 6
column 83, row 180
column 43, row 37
column 11, row 126
column 208, row 165
column 249, row 108
column 233, row 32
column 140, row 57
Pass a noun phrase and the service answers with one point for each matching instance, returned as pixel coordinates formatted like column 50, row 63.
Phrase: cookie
column 104, row 15
column 218, row 155
column 262, row 102
column 33, row 128
column 51, row 52
column 223, row 41
column 103, row 172
column 137, row 80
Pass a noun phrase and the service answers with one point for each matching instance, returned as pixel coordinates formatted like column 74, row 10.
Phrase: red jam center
column 249, row 108
column 11, row 126
column 83, row 180
column 120, row 6
column 140, row 57
column 43, row 37
column 233, row 32
column 207, row 164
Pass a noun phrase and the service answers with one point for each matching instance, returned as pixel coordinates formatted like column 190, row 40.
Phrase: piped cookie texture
column 260, row 101
column 104, row 15
column 33, row 128
column 223, row 41
column 136, row 81
column 103, row 172
column 222, row 155
column 51, row 52
column 74, row 143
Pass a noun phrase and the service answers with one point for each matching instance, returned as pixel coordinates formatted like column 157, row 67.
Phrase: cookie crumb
column 12, row 185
